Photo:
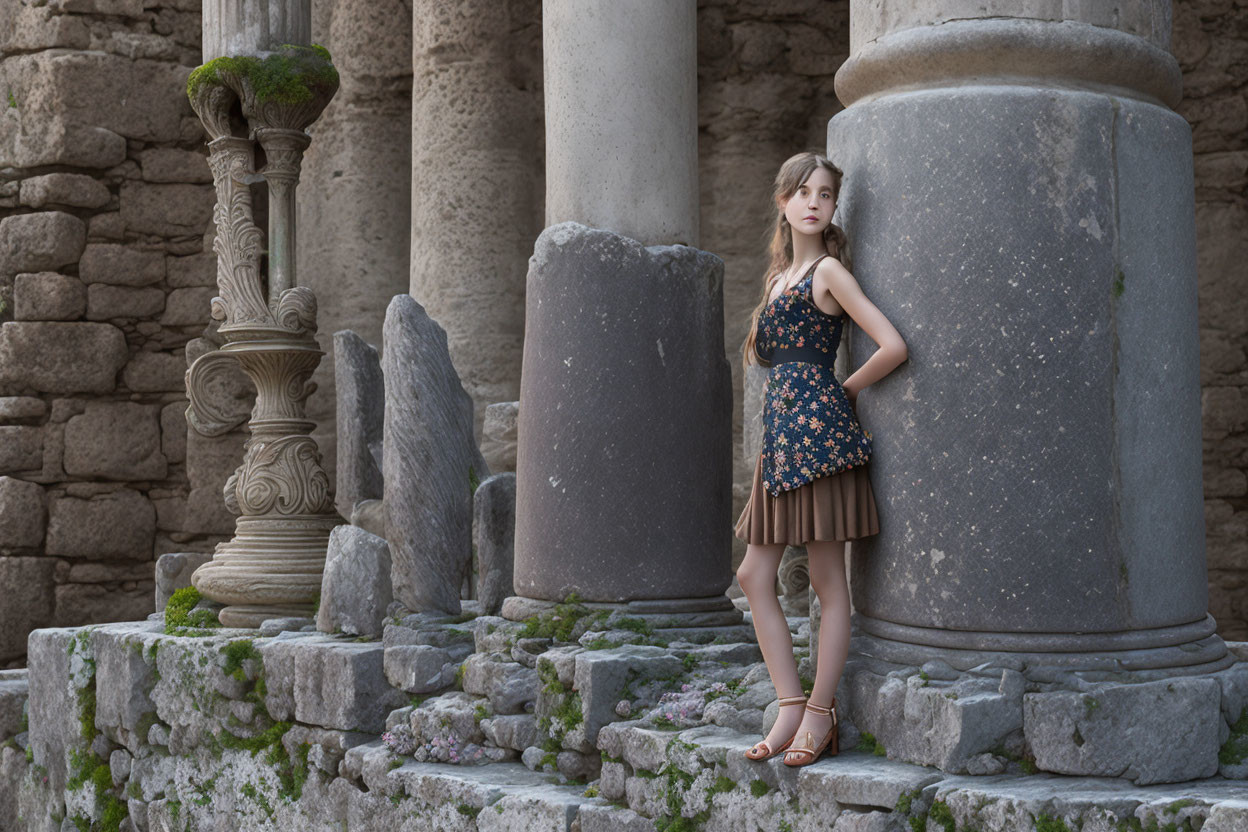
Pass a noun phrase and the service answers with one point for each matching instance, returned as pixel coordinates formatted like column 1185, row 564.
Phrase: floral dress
column 809, row 426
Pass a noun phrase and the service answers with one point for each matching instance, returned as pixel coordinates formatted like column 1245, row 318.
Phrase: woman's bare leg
column 826, row 560
column 757, row 577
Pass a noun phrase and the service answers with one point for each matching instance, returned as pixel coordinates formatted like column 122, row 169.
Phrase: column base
column 272, row 568
column 661, row 613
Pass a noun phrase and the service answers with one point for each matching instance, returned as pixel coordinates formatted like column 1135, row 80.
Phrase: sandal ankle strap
column 792, row 700
column 820, row 709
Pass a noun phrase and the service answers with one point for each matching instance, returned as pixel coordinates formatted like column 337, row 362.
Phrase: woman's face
column 809, row 210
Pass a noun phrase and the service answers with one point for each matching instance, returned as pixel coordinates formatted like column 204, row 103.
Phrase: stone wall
column 1211, row 43
column 105, row 276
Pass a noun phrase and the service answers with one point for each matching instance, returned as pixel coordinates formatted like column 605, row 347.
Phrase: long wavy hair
column 796, row 170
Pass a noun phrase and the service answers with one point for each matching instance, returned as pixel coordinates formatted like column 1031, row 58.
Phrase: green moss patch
column 181, row 617
column 290, row 75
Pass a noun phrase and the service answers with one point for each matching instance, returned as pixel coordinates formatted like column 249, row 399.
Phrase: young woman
column 811, row 484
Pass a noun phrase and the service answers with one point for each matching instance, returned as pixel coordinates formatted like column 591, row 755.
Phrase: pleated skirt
column 840, row 506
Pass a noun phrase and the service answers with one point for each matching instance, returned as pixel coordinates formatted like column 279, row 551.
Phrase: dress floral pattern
column 809, row 426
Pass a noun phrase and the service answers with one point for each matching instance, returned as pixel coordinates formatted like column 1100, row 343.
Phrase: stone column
column 280, row 493
column 1019, row 202
column 476, row 174
column 355, row 192
column 623, row 478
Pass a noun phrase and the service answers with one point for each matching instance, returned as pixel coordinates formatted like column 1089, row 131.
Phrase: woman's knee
column 755, row 577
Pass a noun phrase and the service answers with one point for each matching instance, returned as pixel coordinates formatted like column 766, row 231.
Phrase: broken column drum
column 272, row 567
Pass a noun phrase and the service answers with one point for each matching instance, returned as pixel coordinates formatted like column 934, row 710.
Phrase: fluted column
column 1019, row 202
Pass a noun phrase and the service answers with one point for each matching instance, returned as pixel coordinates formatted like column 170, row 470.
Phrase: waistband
column 810, row 355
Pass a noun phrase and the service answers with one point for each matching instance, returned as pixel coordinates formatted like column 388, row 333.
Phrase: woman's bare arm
column 834, row 280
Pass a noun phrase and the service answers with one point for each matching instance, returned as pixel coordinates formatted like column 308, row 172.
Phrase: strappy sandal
column 788, row 700
column 809, row 748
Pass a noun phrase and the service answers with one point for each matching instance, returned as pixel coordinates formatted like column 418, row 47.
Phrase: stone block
column 453, row 712
column 14, row 689
column 188, row 307
column 508, row 685
column 31, row 28
column 75, row 190
column 62, row 357
column 79, row 88
column 166, row 210
column 40, row 242
column 865, row 780
column 601, row 676
column 21, row 448
column 429, row 426
column 156, row 372
column 330, row 683
column 22, row 514
column 173, row 572
column 48, row 296
column 59, row 668
column 119, row 8
column 125, row 673
column 494, row 518
column 21, row 409
column 116, row 441
column 27, row 586
column 192, row 270
column 361, row 403
column 119, row 524
column 119, row 265
column 173, row 429
column 419, row 668
column 106, row 303
column 944, row 725
column 355, row 587
column 96, row 603
column 1151, row 732
column 166, row 164
column 499, row 439
column 515, row 731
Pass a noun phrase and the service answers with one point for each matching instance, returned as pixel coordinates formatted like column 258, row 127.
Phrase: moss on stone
column 1046, row 823
column 291, row 74
column 1235, row 749
column 758, row 788
column 868, row 742
column 182, row 619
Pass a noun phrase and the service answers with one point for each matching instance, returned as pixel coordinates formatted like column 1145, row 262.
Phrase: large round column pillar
column 1019, row 202
column 623, row 491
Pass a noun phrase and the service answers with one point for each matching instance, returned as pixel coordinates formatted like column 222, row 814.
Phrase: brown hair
column 796, row 170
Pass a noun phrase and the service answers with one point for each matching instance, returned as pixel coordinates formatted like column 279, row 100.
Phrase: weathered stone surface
column 168, row 210
column 451, row 713
column 499, row 437
column 334, row 684
column 361, row 394
column 40, row 242
column 95, row 603
column 156, row 372
column 210, row 460
column 22, row 514
column 494, row 506
column 48, row 296
column 32, row 28
column 431, row 457
column 355, row 588
column 193, row 270
column 515, row 731
column 584, row 485
column 419, row 668
column 866, row 780
column 121, row 8
column 116, row 441
column 73, row 189
column 509, row 685
column 942, row 725
column 173, row 572
column 124, row 677
column 120, row 265
column 21, row 409
column 173, row 428
column 601, row 676
column 56, row 676
column 188, row 307
column 13, row 691
column 166, row 164
column 21, row 448
column 106, row 303
column 62, row 357
column 1151, row 732
column 119, row 524
column 26, row 584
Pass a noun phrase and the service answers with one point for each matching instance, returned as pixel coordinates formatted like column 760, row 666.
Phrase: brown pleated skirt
column 840, row 506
